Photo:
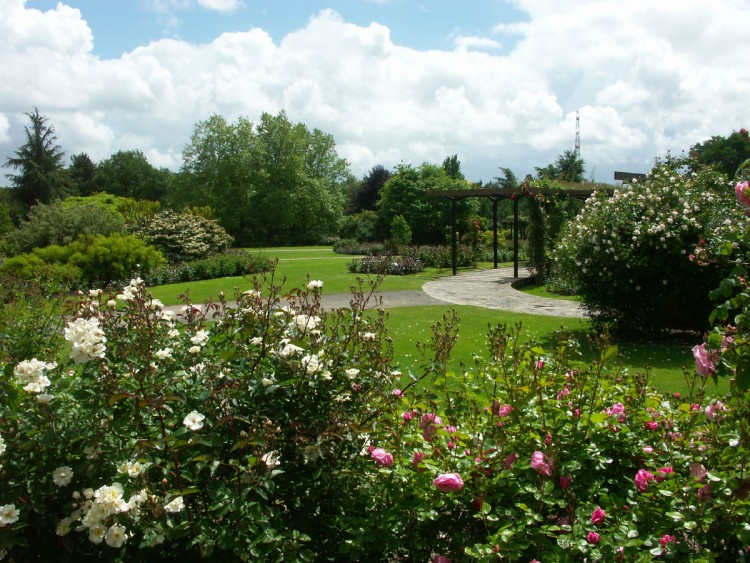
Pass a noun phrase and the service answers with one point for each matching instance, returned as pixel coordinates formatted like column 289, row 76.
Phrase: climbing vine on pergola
column 515, row 194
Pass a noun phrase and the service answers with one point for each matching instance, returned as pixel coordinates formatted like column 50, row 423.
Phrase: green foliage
column 182, row 236
column 41, row 176
column 129, row 174
column 726, row 154
column 427, row 216
column 628, row 255
column 228, row 264
column 271, row 183
column 82, row 171
column 30, row 317
column 386, row 265
column 442, row 256
column 90, row 259
column 400, row 231
column 353, row 247
column 359, row 227
column 61, row 223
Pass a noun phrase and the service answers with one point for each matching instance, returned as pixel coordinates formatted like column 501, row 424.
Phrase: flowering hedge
column 628, row 255
column 274, row 430
column 385, row 265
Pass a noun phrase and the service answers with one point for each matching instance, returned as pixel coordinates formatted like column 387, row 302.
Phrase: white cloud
column 224, row 6
column 646, row 78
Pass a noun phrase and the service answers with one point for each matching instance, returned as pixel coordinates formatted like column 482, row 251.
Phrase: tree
column 427, row 216
column 723, row 153
column 365, row 196
column 274, row 183
column 82, row 171
column 41, row 175
column 508, row 180
column 130, row 174
column 452, row 167
column 570, row 166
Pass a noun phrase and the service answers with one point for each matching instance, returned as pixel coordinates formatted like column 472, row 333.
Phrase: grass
column 541, row 291
column 294, row 264
column 408, row 325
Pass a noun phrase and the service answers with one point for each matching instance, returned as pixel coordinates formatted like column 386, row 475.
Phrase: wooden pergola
column 495, row 195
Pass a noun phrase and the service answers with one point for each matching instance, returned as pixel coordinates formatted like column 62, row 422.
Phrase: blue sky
column 122, row 25
column 496, row 82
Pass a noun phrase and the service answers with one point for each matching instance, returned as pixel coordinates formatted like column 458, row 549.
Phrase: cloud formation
column 646, row 77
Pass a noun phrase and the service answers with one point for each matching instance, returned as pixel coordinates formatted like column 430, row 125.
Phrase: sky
column 496, row 82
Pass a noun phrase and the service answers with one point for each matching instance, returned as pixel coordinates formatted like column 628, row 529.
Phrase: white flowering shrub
column 182, row 236
column 629, row 255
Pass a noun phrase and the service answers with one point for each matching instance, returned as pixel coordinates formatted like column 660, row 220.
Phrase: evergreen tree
column 41, row 175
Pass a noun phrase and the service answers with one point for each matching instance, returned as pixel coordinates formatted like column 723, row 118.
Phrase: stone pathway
column 491, row 289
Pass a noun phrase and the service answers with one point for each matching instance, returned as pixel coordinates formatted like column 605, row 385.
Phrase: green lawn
column 408, row 325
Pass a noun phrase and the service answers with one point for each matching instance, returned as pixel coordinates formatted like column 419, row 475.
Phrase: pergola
column 496, row 194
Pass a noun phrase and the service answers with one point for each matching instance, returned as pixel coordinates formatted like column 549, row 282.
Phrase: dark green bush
column 441, row 256
column 386, row 265
column 62, row 224
column 359, row 227
column 231, row 263
column 359, row 248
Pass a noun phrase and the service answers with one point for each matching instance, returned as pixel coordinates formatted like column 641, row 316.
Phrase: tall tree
column 41, row 175
column 570, row 166
column 365, row 196
column 723, row 153
column 82, row 171
column 508, row 180
column 452, row 167
column 130, row 174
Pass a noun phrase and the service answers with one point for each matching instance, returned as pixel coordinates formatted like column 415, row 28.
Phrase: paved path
column 491, row 289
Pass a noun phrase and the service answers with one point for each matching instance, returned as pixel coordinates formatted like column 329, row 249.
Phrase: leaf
column 117, row 397
column 743, row 373
column 610, row 353
column 675, row 515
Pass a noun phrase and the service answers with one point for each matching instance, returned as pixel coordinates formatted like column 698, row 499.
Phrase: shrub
column 182, row 236
column 360, row 248
column 61, row 224
column 228, row 264
column 90, row 259
column 441, row 256
column 400, row 231
column 386, row 265
column 359, row 227
column 628, row 255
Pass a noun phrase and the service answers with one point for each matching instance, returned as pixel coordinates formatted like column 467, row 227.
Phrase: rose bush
column 274, row 430
column 628, row 254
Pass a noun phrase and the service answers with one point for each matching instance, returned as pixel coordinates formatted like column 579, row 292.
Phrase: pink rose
column 618, row 410
column 565, row 481
column 382, row 457
column 440, row 559
column 642, row 479
column 705, row 361
column 704, row 493
column 648, row 449
column 541, row 463
column 593, row 538
column 598, row 516
column 417, row 459
column 713, row 410
column 665, row 539
column 743, row 193
column 501, row 411
column 510, row 459
column 429, row 419
column 397, row 393
column 449, row 482
column 407, row 416
column 651, row 425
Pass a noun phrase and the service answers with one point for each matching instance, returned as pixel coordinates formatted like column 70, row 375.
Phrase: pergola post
column 494, row 231
column 515, row 237
column 454, row 235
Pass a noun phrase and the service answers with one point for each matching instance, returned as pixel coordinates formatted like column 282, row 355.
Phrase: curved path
column 491, row 289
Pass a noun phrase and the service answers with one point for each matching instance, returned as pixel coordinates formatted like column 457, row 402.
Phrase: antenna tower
column 578, row 135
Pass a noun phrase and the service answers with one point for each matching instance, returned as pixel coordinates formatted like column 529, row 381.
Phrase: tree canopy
column 723, row 153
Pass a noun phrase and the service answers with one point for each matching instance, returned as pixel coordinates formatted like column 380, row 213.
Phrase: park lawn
column 407, row 325
column 295, row 263
column 540, row 290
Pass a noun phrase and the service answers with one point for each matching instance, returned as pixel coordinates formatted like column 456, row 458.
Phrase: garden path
column 490, row 289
